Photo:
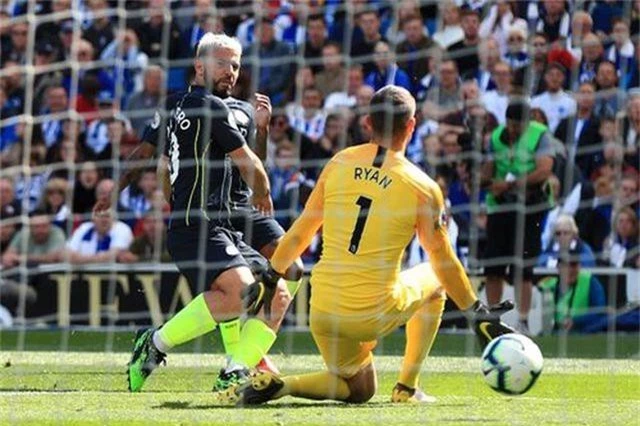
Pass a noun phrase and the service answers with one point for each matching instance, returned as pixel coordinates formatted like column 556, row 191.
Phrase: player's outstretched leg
column 146, row 357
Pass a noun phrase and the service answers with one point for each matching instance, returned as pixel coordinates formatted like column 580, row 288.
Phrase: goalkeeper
column 370, row 201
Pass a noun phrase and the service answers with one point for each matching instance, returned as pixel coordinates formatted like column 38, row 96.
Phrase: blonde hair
column 565, row 220
column 211, row 42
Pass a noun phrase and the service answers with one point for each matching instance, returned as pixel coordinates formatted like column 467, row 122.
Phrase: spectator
column 622, row 51
column 9, row 206
column 499, row 22
column 414, row 50
column 362, row 52
column 581, row 24
column 517, row 56
column 555, row 21
column 496, row 101
column 279, row 133
column 138, row 200
column 9, row 221
column 629, row 195
column 285, row 184
column 622, row 246
column 333, row 77
column 13, row 85
column 45, row 55
column 611, row 164
column 151, row 246
column 450, row 31
column 534, row 78
column 508, row 181
column 39, row 243
column 565, row 238
column 128, row 62
column 274, row 67
column 555, row 102
column 445, row 96
column 608, row 99
column 54, row 202
column 463, row 200
column 142, row 104
column 604, row 13
column 386, row 71
column 308, row 118
column 150, row 32
column 100, row 32
column 465, row 52
column 489, row 55
column 578, row 297
column 84, row 190
column 99, row 241
column 592, row 54
column 579, row 132
column 316, row 40
column 30, row 183
column 631, row 129
column 19, row 38
column 355, row 81
column 58, row 104
column 98, row 141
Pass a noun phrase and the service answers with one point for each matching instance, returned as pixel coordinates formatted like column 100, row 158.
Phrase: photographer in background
column 519, row 163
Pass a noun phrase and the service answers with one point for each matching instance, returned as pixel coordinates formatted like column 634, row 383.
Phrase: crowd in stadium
column 91, row 75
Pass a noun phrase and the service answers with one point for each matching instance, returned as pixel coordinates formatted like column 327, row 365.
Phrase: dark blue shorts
column 201, row 254
column 258, row 230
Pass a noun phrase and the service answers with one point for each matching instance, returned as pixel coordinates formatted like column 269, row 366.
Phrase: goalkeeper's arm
column 434, row 238
column 294, row 242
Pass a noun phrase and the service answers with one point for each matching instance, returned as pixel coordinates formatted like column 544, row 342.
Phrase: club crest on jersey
column 232, row 120
column 241, row 117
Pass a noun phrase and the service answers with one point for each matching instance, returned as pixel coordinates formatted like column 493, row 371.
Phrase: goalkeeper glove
column 486, row 320
column 260, row 293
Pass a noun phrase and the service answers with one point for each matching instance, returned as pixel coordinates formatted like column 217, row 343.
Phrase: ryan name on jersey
column 372, row 174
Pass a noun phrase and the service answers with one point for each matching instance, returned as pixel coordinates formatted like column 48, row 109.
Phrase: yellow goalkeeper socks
column 315, row 386
column 256, row 338
column 230, row 333
column 421, row 331
column 192, row 321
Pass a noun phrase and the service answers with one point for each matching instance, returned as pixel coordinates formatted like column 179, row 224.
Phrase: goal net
column 528, row 118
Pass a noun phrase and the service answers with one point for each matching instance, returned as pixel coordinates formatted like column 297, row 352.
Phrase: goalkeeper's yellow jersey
column 371, row 202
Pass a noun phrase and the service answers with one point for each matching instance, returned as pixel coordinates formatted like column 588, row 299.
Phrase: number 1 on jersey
column 356, row 236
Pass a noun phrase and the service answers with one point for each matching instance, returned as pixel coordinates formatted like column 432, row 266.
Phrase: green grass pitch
column 90, row 388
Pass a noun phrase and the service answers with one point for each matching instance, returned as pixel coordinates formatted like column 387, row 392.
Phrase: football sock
column 421, row 331
column 192, row 321
column 230, row 333
column 293, row 286
column 256, row 338
column 315, row 386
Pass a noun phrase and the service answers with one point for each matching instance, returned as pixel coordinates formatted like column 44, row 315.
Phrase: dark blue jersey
column 196, row 131
column 243, row 113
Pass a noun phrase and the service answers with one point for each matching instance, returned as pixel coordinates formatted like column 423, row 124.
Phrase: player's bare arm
column 254, row 174
column 262, row 117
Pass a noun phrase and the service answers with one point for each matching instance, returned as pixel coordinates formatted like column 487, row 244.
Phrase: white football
column 511, row 364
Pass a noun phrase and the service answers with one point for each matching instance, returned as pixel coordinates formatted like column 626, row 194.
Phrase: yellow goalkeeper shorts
column 346, row 341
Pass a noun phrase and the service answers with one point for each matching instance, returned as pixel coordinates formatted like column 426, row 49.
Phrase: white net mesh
column 80, row 81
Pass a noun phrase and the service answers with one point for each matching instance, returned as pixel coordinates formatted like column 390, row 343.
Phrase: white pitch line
column 384, row 363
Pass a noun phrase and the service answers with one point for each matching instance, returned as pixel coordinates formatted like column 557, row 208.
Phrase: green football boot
column 146, row 358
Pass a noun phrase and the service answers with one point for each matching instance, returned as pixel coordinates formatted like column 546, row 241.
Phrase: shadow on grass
column 184, row 405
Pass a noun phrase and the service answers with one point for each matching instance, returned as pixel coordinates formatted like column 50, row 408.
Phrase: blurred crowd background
column 80, row 79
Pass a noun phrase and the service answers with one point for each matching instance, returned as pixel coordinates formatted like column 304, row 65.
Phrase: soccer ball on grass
column 511, row 364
